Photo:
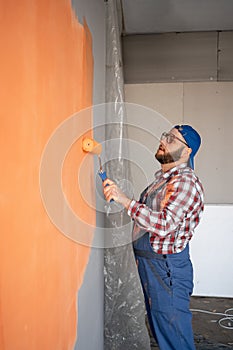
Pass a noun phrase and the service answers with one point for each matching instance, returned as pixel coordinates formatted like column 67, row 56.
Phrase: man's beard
column 167, row 158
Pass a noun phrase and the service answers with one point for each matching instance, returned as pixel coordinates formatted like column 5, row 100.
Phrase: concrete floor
column 208, row 334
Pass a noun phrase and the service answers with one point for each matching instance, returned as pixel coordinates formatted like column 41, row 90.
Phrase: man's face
column 170, row 148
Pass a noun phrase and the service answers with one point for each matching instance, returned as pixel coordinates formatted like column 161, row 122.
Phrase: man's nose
column 163, row 142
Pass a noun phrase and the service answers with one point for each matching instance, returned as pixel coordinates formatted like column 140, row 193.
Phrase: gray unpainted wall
column 91, row 294
column 178, row 57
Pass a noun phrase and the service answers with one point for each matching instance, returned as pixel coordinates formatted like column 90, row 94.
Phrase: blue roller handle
column 103, row 177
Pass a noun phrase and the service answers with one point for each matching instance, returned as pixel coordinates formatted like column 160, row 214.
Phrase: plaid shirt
column 169, row 209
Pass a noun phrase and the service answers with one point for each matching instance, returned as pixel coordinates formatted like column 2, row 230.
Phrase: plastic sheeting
column 124, row 302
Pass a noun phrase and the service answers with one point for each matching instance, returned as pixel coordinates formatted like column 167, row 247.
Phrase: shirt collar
column 173, row 171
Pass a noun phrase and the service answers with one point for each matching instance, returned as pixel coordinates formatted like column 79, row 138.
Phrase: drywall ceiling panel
column 170, row 57
column 162, row 16
column 225, row 56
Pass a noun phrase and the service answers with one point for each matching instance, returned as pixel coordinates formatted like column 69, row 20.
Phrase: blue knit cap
column 192, row 138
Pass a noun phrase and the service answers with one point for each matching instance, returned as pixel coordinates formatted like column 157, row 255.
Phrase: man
column 164, row 221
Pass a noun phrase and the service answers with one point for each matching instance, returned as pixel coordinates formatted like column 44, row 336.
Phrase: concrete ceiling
column 162, row 16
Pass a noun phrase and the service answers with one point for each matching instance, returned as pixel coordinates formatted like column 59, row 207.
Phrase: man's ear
column 187, row 151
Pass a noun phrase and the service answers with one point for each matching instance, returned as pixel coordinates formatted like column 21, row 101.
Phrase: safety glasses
column 171, row 137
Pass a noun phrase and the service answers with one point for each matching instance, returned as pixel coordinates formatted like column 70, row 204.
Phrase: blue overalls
column 167, row 283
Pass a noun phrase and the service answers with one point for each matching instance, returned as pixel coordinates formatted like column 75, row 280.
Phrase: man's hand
column 112, row 191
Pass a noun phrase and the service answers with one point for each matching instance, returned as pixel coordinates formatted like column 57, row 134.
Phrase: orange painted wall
column 46, row 74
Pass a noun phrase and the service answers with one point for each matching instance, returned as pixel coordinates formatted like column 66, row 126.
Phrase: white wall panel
column 209, row 108
column 211, row 252
column 166, row 99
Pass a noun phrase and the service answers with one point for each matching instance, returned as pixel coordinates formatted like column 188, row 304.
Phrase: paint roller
column 92, row 146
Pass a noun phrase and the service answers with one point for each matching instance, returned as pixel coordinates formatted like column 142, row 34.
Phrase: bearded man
column 164, row 218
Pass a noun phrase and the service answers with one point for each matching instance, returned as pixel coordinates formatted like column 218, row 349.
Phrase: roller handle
column 103, row 177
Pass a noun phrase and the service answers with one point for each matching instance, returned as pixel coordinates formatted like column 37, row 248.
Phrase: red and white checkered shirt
column 169, row 209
